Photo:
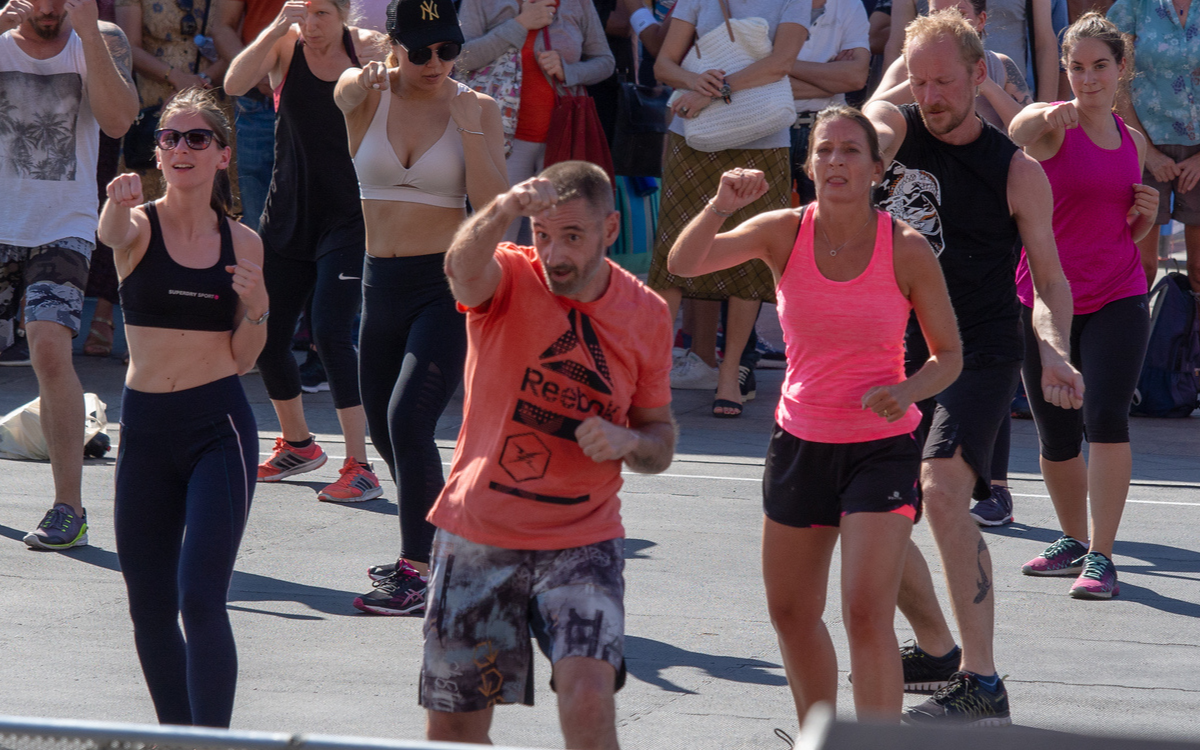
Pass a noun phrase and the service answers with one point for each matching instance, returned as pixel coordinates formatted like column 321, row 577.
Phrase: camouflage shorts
column 485, row 602
column 52, row 277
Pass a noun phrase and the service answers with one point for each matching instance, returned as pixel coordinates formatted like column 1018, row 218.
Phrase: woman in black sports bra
column 423, row 145
column 194, row 305
column 312, row 231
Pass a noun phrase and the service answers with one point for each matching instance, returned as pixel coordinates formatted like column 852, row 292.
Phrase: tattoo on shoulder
column 119, row 49
column 1017, row 80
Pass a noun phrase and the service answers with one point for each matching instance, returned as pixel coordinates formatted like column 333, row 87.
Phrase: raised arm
column 699, row 249
column 262, row 57
column 111, row 93
column 249, row 330
column 889, row 124
column 120, row 228
column 477, row 118
column 470, row 263
column 1144, row 211
column 1041, row 127
column 1032, row 204
column 646, row 446
column 919, row 277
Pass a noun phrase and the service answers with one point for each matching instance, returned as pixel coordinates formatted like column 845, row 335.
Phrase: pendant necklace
column 835, row 250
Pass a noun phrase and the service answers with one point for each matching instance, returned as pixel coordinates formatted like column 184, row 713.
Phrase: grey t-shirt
column 706, row 15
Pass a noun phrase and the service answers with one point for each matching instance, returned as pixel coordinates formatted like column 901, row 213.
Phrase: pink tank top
column 1093, row 190
column 842, row 338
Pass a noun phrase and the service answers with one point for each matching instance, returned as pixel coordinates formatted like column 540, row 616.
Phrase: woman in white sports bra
column 423, row 145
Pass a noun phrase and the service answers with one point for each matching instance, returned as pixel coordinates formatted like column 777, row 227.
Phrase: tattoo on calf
column 983, row 583
column 1016, row 79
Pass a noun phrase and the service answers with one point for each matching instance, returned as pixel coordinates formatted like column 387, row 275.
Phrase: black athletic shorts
column 808, row 484
column 969, row 414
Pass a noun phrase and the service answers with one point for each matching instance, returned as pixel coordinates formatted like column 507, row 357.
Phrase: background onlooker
column 834, row 61
column 578, row 55
column 1163, row 102
column 166, row 59
column 236, row 23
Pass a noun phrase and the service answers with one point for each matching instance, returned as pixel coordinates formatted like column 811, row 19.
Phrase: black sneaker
column 747, row 383
column 312, row 374
column 964, row 702
column 16, row 355
column 379, row 572
column 924, row 673
column 402, row 593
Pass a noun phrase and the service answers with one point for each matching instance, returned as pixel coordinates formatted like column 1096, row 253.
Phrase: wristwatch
column 726, row 91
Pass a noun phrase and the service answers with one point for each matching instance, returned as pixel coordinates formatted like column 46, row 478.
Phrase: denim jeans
column 255, row 124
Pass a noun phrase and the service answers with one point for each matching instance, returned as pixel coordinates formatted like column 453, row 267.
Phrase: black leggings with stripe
column 185, row 477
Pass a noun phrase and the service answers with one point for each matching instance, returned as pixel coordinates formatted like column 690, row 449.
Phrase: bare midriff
column 397, row 229
column 164, row 360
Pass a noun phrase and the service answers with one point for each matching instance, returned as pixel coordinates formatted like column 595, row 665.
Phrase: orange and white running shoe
column 357, row 484
column 287, row 460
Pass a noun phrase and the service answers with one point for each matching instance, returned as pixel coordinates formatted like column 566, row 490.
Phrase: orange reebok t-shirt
column 537, row 365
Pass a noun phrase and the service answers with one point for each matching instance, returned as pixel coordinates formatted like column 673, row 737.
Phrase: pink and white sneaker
column 1098, row 579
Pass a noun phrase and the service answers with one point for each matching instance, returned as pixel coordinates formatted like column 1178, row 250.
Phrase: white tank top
column 437, row 178
column 47, row 182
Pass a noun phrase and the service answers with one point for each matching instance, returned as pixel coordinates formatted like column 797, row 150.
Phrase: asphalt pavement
column 704, row 668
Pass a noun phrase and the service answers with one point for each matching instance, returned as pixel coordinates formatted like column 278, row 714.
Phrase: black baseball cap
column 420, row 23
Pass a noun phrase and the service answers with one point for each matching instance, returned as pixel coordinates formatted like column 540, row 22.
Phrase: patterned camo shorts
column 485, row 602
column 52, row 276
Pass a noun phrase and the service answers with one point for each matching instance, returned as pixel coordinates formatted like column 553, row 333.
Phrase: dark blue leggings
column 412, row 348
column 186, row 463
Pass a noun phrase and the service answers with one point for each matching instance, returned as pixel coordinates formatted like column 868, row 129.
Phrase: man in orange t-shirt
column 567, row 379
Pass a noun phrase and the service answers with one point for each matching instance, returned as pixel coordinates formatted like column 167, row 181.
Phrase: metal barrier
column 24, row 733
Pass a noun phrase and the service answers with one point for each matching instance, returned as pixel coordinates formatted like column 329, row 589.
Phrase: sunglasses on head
column 447, row 52
column 196, row 140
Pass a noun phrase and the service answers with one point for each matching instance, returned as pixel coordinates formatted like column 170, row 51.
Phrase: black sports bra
column 160, row 293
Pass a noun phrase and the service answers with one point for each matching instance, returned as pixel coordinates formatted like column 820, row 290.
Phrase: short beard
column 49, row 34
column 954, row 123
column 582, row 277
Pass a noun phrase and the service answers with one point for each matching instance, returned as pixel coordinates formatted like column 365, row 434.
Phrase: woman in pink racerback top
column 1094, row 163
column 843, row 460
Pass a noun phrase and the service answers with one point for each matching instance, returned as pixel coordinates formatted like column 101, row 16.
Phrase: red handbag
column 575, row 130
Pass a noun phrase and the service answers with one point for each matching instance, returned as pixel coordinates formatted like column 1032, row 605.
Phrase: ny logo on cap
column 428, row 10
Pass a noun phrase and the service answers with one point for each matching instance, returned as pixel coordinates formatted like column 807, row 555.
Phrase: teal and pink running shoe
column 1062, row 558
column 1098, row 579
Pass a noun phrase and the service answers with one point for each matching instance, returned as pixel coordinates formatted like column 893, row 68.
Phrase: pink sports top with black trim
column 437, row 178
column 842, row 338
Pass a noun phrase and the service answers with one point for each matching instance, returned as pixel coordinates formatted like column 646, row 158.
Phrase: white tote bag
column 752, row 113
column 21, row 435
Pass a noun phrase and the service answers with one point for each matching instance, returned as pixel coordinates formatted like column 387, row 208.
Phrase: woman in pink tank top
column 843, row 458
column 1094, row 164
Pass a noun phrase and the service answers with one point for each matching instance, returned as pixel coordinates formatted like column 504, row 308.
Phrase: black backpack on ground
column 1168, row 385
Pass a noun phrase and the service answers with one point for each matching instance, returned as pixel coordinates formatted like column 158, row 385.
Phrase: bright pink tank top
column 842, row 338
column 1093, row 190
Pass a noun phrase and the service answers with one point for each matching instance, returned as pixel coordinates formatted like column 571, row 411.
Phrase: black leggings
column 334, row 281
column 185, row 477
column 1107, row 346
column 413, row 345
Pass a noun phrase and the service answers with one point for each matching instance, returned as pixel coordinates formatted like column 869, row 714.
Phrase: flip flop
column 724, row 403
column 99, row 342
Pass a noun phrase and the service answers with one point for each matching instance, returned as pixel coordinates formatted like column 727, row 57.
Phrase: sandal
column 99, row 341
column 724, row 403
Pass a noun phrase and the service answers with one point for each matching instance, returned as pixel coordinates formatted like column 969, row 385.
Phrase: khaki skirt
column 690, row 180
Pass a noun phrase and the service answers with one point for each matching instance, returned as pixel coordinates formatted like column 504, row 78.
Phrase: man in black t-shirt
column 974, row 196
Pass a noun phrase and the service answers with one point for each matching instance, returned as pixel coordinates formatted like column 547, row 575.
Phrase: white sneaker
column 692, row 373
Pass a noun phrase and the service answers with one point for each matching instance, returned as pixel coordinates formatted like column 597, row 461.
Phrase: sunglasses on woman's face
column 447, row 52
column 196, row 140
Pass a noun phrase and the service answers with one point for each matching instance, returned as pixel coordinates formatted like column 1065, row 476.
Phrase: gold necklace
column 835, row 250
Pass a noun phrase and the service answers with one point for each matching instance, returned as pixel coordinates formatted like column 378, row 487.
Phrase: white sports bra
column 437, row 178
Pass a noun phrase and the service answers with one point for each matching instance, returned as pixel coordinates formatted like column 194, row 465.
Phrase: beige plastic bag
column 21, row 435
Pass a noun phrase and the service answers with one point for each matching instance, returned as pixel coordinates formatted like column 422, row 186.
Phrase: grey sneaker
column 59, row 529
column 965, row 702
